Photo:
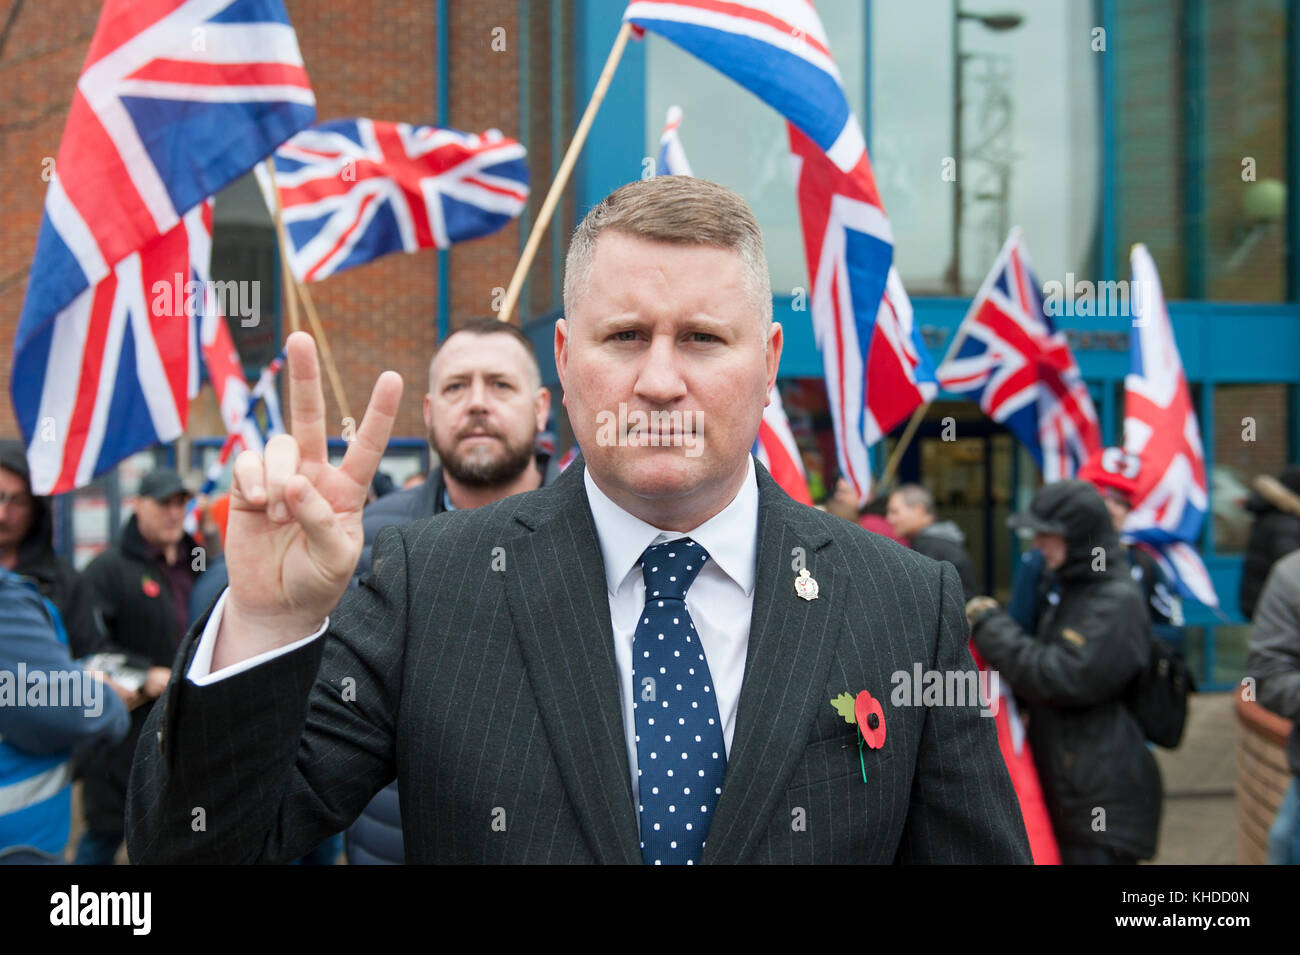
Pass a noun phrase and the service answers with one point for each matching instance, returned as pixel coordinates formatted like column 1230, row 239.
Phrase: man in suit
column 508, row 664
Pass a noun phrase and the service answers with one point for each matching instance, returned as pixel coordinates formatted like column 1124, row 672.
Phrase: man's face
column 17, row 511
column 485, row 409
column 161, row 522
column 1053, row 547
column 666, row 366
column 905, row 518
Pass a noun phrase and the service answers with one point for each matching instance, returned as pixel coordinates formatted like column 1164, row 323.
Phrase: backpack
column 1157, row 696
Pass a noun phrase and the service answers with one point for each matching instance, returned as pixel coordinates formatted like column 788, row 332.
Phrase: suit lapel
column 555, row 583
column 791, row 644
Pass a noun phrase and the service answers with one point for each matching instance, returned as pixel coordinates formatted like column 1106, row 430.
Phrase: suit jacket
column 494, row 699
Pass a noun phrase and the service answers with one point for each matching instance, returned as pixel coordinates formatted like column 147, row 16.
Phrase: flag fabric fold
column 175, row 101
column 352, row 190
column 877, row 368
column 1009, row 356
column 1170, row 497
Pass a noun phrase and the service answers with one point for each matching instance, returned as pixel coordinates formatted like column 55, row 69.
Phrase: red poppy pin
column 868, row 715
column 150, row 587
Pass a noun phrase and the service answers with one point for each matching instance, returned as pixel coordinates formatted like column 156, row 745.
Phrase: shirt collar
column 730, row 536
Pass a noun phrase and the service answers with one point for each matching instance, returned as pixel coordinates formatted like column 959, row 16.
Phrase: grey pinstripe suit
column 492, row 695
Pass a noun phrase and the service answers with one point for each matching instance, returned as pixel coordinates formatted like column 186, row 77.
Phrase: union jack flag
column 877, row 367
column 177, row 98
column 352, row 190
column 1160, row 428
column 776, row 49
column 1009, row 356
column 672, row 156
column 776, row 449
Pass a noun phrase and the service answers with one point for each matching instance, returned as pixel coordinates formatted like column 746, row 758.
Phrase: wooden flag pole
column 894, row 459
column 286, row 272
column 562, row 174
column 294, row 290
column 336, row 383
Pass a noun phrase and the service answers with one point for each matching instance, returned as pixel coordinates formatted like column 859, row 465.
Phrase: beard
column 484, row 467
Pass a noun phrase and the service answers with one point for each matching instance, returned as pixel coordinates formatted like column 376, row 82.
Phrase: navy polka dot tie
column 679, row 749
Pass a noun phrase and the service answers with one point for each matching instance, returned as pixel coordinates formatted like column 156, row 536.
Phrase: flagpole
column 293, row 290
column 562, row 174
column 897, row 456
column 336, row 383
column 286, row 272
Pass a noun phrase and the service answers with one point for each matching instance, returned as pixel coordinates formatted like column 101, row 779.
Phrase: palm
column 299, row 567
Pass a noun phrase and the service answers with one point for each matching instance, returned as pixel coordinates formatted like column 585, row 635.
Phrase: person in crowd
column 37, row 734
column 1274, row 662
column 132, row 599
column 212, row 578
column 1114, row 474
column 844, row 503
column 1275, row 504
column 27, row 531
column 1100, row 781
column 483, row 411
column 505, row 662
column 912, row 514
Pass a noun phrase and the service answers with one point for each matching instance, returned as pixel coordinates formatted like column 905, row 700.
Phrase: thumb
column 327, row 542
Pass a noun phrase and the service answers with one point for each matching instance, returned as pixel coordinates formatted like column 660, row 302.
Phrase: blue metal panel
column 444, row 265
column 1109, row 160
column 616, row 145
column 1293, row 156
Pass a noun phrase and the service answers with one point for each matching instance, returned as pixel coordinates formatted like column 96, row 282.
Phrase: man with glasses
column 133, row 599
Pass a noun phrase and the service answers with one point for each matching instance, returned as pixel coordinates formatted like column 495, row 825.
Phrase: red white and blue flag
column 877, row 368
column 1010, row 357
column 775, row 448
column 672, row 156
column 1169, row 499
column 352, row 190
column 776, row 49
column 177, row 98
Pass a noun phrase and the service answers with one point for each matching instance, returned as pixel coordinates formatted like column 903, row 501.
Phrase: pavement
column 1199, row 822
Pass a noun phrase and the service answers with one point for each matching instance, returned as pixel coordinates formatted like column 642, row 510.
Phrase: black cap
column 1031, row 523
column 162, row 483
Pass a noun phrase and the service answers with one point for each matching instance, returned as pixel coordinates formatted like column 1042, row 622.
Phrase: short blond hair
column 681, row 210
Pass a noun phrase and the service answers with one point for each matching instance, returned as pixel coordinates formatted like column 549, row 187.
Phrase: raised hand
column 294, row 533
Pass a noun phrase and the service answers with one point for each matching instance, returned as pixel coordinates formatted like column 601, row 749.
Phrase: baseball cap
column 162, row 483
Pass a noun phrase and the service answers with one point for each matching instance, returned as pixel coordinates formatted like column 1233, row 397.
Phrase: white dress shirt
column 720, row 601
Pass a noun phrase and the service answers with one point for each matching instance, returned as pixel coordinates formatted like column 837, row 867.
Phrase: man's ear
column 561, row 348
column 542, row 405
column 428, row 412
column 775, row 342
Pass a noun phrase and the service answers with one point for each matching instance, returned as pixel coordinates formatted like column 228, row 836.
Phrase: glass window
column 1251, row 424
column 1200, row 123
column 1029, row 130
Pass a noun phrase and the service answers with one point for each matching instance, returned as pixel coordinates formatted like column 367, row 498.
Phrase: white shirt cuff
column 200, row 668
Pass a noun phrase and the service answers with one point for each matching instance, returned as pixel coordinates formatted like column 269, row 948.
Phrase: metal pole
column 958, row 170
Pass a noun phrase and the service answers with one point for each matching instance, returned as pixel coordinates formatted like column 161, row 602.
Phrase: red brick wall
column 375, row 60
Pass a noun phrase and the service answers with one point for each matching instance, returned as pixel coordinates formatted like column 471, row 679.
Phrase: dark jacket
column 1275, row 503
column 1275, row 648
column 493, row 696
column 53, row 575
column 1090, row 752
column 943, row 540
column 122, row 605
column 376, row 836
